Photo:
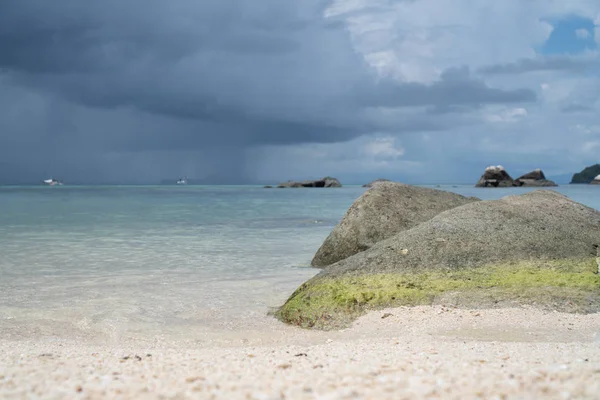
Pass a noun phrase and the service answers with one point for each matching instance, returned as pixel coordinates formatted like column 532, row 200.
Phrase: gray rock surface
column 538, row 249
column 495, row 176
column 381, row 212
column 318, row 183
column 535, row 226
column 534, row 178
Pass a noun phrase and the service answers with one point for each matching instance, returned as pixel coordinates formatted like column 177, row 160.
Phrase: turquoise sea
column 165, row 262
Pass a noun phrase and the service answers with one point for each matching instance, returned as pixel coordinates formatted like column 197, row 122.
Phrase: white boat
column 52, row 182
column 182, row 181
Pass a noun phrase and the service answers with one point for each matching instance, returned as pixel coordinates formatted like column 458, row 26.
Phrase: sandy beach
column 421, row 352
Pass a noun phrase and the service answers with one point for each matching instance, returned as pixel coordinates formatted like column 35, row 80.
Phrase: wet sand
column 421, row 352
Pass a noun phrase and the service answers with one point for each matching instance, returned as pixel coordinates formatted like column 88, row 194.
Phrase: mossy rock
column 333, row 302
column 538, row 248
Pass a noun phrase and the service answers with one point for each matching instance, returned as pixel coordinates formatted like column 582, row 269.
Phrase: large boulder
column 534, row 178
column 318, row 183
column 381, row 212
column 587, row 175
column 596, row 181
column 538, row 248
column 495, row 176
column 376, row 181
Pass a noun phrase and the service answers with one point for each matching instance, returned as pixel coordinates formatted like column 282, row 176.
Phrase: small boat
column 52, row 182
column 182, row 181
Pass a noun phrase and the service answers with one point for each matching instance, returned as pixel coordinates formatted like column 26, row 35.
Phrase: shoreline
column 407, row 352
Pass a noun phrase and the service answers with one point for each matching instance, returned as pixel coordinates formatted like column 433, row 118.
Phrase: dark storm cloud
column 567, row 63
column 96, row 77
column 455, row 88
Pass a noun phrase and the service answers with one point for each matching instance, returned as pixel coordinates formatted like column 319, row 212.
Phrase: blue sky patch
column 571, row 35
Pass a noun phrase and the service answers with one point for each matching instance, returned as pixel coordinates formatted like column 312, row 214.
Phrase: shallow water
column 160, row 261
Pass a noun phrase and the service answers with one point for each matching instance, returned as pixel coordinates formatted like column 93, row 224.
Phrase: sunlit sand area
column 421, row 352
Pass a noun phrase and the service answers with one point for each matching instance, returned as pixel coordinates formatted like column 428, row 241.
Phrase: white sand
column 422, row 352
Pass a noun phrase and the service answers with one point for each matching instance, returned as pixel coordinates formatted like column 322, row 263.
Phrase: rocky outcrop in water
column 587, row 175
column 326, row 182
column 534, row 178
column 381, row 212
column 538, row 248
column 495, row 176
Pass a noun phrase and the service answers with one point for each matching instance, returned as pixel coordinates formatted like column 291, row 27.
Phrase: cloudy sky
column 422, row 91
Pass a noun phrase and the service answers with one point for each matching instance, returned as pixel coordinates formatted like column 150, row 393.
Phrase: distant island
column 587, row 175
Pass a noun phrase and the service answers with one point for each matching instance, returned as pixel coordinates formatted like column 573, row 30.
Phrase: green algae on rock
column 538, row 248
column 330, row 302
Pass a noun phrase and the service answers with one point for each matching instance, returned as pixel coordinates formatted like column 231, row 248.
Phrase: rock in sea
column 534, row 178
column 537, row 248
column 495, row 176
column 318, row 183
column 382, row 211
